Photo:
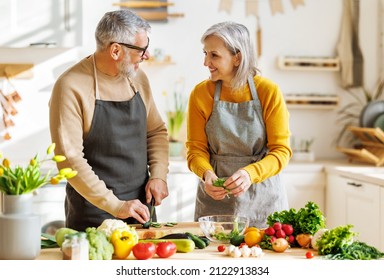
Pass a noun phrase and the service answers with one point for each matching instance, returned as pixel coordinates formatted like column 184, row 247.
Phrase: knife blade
column 148, row 224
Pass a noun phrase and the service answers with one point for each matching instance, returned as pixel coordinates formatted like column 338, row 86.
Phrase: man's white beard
column 126, row 69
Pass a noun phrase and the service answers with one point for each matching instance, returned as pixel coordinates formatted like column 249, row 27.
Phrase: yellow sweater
column 276, row 119
column 72, row 106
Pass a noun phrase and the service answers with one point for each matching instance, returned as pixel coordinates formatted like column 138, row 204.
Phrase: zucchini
column 199, row 243
column 182, row 245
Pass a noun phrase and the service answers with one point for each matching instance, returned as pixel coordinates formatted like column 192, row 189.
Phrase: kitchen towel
column 350, row 55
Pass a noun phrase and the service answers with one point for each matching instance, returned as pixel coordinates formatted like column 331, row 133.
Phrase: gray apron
column 116, row 149
column 237, row 137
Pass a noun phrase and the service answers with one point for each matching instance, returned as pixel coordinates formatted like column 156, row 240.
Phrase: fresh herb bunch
column 310, row 219
column 219, row 182
column 333, row 240
column 22, row 180
column 356, row 251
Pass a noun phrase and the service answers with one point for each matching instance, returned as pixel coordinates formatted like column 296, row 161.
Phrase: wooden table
column 208, row 253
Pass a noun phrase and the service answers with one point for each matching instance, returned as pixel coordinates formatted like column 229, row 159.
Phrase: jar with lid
column 75, row 246
column 71, row 247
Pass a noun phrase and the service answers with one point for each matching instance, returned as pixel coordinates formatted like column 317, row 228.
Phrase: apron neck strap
column 95, row 76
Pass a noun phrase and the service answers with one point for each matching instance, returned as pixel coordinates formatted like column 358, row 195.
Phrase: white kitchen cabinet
column 179, row 206
column 351, row 201
column 304, row 186
column 381, row 247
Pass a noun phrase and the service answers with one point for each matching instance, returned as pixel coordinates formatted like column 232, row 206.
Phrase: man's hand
column 135, row 209
column 157, row 189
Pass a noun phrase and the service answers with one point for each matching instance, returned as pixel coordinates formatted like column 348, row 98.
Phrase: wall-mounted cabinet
column 41, row 23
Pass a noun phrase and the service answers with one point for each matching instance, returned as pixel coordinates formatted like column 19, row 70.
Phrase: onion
column 316, row 237
column 304, row 239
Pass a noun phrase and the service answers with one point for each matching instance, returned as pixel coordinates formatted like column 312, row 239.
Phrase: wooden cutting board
column 182, row 227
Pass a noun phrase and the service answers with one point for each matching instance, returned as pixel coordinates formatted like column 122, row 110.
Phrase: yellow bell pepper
column 123, row 242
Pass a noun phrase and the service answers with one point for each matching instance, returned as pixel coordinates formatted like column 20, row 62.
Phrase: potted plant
column 19, row 180
column 350, row 113
column 176, row 114
column 20, row 229
column 303, row 151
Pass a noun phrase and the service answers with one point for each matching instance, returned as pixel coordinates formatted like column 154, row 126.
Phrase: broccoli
column 99, row 246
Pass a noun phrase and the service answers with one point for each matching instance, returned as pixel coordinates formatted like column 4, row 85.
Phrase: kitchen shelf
column 156, row 11
column 309, row 63
column 143, row 4
column 311, row 101
column 21, row 70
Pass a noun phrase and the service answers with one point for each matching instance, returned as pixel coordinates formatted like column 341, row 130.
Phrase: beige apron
column 237, row 137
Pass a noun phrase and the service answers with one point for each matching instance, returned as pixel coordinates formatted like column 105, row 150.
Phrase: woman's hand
column 238, row 183
column 215, row 192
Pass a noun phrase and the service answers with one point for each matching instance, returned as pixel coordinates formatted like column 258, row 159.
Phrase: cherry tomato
column 309, row 255
column 166, row 249
column 221, row 248
column 242, row 244
column 144, row 251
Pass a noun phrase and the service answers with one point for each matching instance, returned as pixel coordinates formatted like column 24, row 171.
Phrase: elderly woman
column 238, row 129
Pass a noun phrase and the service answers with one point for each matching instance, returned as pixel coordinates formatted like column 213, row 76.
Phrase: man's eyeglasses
column 129, row 46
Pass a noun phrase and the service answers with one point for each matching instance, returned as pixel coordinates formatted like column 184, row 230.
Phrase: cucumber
column 176, row 236
column 205, row 239
column 237, row 240
column 199, row 243
column 182, row 245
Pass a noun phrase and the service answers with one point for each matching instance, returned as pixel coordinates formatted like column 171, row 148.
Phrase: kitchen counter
column 208, row 253
column 359, row 171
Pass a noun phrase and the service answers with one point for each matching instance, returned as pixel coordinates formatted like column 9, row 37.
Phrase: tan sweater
column 72, row 106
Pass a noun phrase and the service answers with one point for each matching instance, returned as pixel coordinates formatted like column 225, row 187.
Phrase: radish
column 277, row 226
column 288, row 229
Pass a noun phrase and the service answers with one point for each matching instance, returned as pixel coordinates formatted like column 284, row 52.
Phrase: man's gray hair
column 119, row 26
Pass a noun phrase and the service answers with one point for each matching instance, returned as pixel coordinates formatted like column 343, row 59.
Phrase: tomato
column 165, row 249
column 144, row 251
column 309, row 255
column 221, row 248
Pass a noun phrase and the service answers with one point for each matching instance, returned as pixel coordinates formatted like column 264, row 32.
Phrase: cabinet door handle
column 354, row 184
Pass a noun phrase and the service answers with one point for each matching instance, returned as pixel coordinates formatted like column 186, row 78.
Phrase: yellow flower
column 19, row 180
column 59, row 158
column 6, row 163
column 51, row 148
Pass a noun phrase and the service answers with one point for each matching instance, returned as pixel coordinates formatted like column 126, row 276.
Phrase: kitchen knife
column 148, row 224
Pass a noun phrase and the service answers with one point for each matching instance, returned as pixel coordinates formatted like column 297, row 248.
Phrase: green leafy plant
column 22, row 180
column 304, row 145
column 349, row 114
column 176, row 114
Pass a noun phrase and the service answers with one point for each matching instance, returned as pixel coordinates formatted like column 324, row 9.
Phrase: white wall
column 309, row 30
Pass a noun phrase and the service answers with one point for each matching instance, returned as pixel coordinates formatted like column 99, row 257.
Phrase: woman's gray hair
column 237, row 40
column 119, row 26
